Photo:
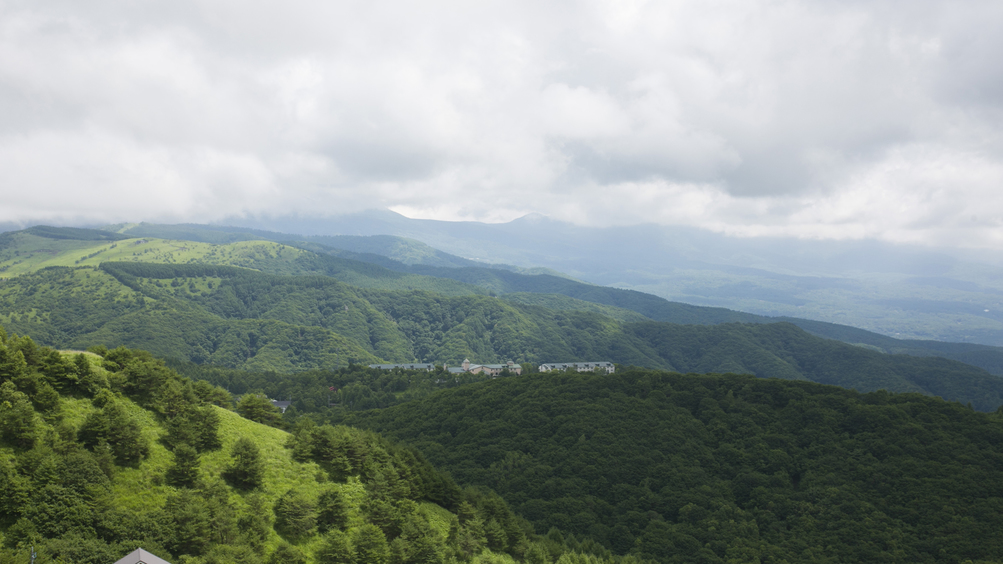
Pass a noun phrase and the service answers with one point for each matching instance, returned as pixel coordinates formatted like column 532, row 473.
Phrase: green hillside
column 783, row 350
column 201, row 303
column 559, row 302
column 244, row 319
column 80, row 307
column 104, row 453
column 652, row 307
column 33, row 249
column 687, row 468
column 26, row 252
column 385, row 250
column 519, row 285
column 29, row 250
column 984, row 356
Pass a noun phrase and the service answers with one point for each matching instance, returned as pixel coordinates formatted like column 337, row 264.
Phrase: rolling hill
column 899, row 290
column 409, row 256
column 250, row 320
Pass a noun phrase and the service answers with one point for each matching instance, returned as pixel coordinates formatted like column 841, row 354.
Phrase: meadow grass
column 32, row 253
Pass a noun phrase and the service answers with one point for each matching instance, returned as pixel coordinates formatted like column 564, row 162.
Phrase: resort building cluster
column 496, row 369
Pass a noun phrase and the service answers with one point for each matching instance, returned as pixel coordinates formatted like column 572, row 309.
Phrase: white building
column 413, row 366
column 489, row 369
column 579, row 366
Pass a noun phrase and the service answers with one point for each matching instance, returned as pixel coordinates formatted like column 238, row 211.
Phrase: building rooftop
column 140, row 556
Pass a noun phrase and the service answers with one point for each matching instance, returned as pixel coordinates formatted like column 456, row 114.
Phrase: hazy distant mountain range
column 902, row 291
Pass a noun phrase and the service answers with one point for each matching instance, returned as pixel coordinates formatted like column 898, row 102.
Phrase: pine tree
column 286, row 553
column 332, row 512
column 184, row 473
column 248, row 470
column 335, row 549
column 370, row 545
column 295, row 515
column 17, row 418
column 495, row 535
column 256, row 407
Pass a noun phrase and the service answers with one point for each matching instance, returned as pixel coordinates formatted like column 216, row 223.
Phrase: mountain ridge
column 836, row 281
column 254, row 321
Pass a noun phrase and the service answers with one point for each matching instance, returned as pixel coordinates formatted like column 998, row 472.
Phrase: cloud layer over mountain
column 814, row 119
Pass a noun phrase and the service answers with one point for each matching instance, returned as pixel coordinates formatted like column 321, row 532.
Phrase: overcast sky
column 820, row 119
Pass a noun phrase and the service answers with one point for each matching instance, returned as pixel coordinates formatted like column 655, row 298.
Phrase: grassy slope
column 282, row 472
column 29, row 253
column 142, row 490
column 373, row 248
column 24, row 252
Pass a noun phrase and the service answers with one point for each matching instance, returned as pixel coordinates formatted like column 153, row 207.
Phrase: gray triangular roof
column 140, row 556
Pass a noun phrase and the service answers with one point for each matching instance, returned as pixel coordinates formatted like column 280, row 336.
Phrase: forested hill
column 785, row 351
column 685, row 468
column 659, row 309
column 325, row 312
column 26, row 251
column 245, row 319
column 406, row 256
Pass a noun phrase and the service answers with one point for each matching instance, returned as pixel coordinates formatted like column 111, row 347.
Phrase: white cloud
column 808, row 119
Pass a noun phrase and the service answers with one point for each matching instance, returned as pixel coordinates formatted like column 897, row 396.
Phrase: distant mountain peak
column 532, row 218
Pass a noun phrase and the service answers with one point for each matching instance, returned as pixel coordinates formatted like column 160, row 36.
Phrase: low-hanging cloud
column 809, row 119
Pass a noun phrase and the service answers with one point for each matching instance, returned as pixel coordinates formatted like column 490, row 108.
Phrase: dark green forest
column 723, row 468
column 328, row 395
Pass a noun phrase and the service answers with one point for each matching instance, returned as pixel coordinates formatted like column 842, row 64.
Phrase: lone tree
column 247, row 471
column 258, row 408
column 184, row 473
